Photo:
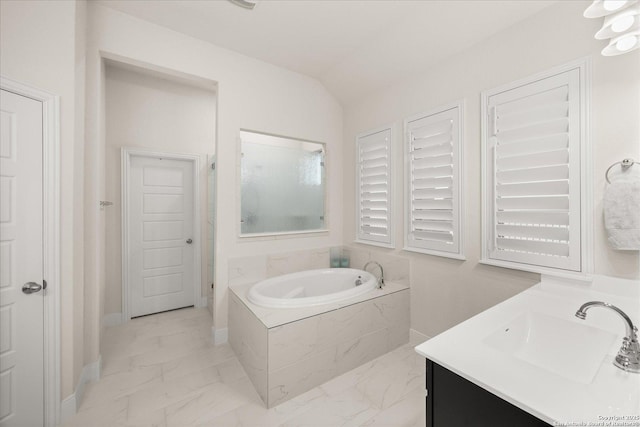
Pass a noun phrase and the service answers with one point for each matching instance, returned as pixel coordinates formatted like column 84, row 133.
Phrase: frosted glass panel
column 282, row 184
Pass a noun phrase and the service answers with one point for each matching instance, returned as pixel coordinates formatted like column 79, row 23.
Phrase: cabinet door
column 452, row 401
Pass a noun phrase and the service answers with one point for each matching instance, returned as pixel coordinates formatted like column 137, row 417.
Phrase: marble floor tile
column 171, row 348
column 197, row 361
column 117, row 348
column 214, row 400
column 111, row 413
column 163, row 371
column 393, row 383
column 120, row 385
column 155, row 398
column 231, row 370
column 257, row 415
column 407, row 412
column 155, row 418
column 349, row 408
column 112, row 366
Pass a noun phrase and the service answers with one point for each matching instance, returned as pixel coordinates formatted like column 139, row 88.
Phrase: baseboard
column 69, row 406
column 220, row 336
column 90, row 372
column 416, row 337
column 112, row 319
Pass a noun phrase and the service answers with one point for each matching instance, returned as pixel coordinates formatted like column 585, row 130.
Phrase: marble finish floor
column 163, row 371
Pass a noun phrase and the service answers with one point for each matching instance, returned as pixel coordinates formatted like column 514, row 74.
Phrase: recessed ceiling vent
column 246, row 4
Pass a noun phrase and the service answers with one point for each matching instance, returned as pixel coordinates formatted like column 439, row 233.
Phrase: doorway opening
column 153, row 114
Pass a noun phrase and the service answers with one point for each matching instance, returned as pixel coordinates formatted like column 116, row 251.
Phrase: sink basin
column 565, row 348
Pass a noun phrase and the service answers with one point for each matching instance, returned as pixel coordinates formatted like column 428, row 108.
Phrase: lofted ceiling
column 352, row 46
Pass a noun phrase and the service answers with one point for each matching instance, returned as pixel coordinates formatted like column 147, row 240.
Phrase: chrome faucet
column 628, row 358
column 381, row 278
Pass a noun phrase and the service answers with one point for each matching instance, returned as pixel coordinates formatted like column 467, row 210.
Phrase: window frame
column 586, row 173
column 459, row 254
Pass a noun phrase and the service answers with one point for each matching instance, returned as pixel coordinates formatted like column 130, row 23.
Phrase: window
column 373, row 190
column 282, row 185
column 534, row 153
column 433, row 184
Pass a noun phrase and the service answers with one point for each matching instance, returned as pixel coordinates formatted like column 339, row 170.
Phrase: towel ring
column 625, row 164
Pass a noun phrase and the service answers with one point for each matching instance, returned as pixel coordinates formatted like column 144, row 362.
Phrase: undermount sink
column 568, row 349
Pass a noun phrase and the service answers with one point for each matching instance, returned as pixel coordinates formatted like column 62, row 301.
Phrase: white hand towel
column 622, row 214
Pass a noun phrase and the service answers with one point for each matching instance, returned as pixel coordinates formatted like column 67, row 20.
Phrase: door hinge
column 44, row 284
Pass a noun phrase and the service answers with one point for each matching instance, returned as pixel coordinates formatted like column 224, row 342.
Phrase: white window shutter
column 433, row 182
column 374, row 222
column 533, row 172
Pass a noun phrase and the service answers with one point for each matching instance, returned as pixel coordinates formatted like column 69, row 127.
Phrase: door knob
column 31, row 287
column 189, row 241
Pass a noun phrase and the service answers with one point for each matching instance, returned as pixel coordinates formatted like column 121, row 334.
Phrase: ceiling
column 352, row 46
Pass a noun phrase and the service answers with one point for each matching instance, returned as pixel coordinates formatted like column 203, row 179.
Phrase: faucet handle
column 628, row 357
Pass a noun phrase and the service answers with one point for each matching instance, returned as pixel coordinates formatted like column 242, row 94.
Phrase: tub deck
column 272, row 317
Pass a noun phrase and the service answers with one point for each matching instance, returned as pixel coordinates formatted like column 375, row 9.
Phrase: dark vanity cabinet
column 453, row 401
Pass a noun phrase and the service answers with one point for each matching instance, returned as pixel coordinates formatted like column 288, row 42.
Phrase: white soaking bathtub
column 287, row 352
column 311, row 287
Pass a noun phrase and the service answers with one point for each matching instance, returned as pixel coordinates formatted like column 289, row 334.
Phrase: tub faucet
column 381, row 278
column 628, row 358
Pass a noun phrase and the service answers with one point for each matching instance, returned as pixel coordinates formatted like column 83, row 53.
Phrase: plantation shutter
column 533, row 173
column 433, row 183
column 374, row 188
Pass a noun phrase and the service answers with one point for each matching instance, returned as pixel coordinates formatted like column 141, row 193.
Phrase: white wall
column 78, row 189
column 41, row 44
column 148, row 112
column 252, row 95
column 446, row 292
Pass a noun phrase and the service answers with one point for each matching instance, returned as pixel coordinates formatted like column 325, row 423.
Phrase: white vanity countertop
column 559, row 398
column 272, row 317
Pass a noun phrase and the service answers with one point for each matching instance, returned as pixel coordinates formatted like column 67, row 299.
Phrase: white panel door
column 161, row 239
column 21, row 261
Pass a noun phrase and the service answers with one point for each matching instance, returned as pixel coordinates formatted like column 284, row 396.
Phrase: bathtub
column 289, row 351
column 311, row 287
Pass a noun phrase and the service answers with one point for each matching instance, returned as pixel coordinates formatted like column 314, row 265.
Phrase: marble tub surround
column 272, row 317
column 252, row 269
column 248, row 338
column 292, row 262
column 308, row 346
column 549, row 381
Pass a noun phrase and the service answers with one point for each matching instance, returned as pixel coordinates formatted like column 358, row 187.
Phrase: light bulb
column 612, row 5
column 623, row 23
column 626, row 43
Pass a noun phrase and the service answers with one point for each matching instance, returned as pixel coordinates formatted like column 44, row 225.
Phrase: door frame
column 50, row 239
column 126, row 154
